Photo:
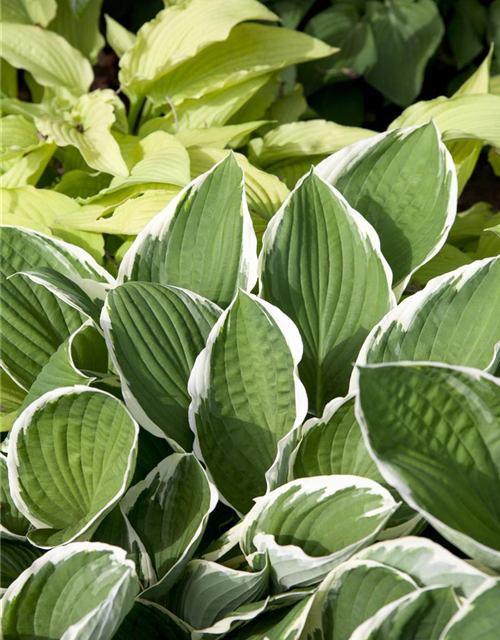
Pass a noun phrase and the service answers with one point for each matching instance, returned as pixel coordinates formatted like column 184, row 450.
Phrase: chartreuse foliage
column 243, row 428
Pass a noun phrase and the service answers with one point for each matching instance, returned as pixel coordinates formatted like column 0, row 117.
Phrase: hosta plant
column 220, row 444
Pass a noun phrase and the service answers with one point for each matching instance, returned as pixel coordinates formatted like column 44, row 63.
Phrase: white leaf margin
column 369, row 237
column 311, row 569
column 130, row 400
column 58, row 555
column 405, row 313
column 22, row 424
column 159, row 226
column 487, row 555
column 199, row 380
column 168, row 466
column 335, row 165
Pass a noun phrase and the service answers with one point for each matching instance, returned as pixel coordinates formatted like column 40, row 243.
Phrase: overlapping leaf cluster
column 243, row 427
column 318, row 424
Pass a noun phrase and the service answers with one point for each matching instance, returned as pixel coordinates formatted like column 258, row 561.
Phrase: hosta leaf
column 460, row 117
column 150, row 621
column 32, row 48
column 478, row 618
column 169, row 511
column 303, row 139
column 29, row 11
column 406, row 36
column 119, row 38
column 11, row 398
column 246, row 397
column 421, row 615
column 428, row 423
column 265, row 193
column 27, row 170
column 46, row 211
column 218, row 137
column 447, row 259
column 77, row 21
column 13, row 524
column 203, row 240
column 286, row 624
column 208, row 592
column 352, row 593
column 83, row 590
column 427, row 563
column 404, row 184
column 19, row 136
column 309, row 526
column 34, row 322
column 333, row 444
column 321, row 265
column 178, row 33
column 66, row 367
column 16, row 557
column 88, row 129
column 249, row 50
column 84, row 295
column 439, row 324
column 213, row 110
column 154, row 334
column 129, row 218
column 89, row 442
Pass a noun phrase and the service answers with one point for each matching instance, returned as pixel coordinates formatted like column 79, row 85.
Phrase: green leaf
column 11, row 398
column 179, row 33
column 461, row 117
column 89, row 442
column 14, row 525
column 203, row 240
column 150, row 621
column 421, row 615
column 404, row 184
column 217, row 137
column 249, row 50
column 19, row 136
column 407, row 35
column 27, row 169
column 352, row 593
column 87, row 127
column 466, row 30
column 209, row 592
column 29, row 11
column 169, row 511
column 119, row 39
column 478, row 618
column 34, row 323
column 427, row 563
column 265, row 193
column 16, row 557
column 341, row 26
column 32, row 48
column 77, row 21
column 447, row 259
column 302, row 139
column 154, row 334
column 440, row 323
column 428, row 423
column 309, row 526
column 36, row 208
column 129, row 218
column 321, row 265
column 64, row 369
column 85, row 295
column 333, row 445
column 246, row 397
column 82, row 590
